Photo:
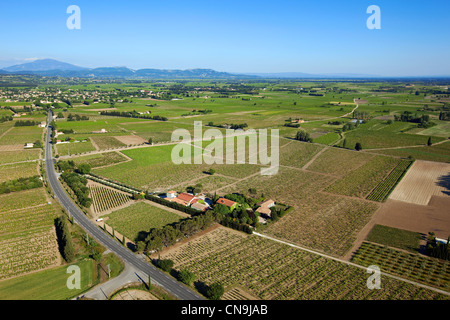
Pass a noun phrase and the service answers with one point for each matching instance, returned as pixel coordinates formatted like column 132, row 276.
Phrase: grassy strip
column 49, row 284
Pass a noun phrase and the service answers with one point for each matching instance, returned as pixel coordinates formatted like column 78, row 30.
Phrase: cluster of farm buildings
column 202, row 203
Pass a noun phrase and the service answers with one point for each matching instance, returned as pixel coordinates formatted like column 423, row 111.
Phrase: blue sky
column 235, row 36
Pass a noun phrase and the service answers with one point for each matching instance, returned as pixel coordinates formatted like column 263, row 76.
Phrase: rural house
column 171, row 194
column 184, row 198
column 264, row 207
column 230, row 204
column 199, row 206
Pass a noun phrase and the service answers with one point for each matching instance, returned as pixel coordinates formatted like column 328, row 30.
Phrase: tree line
column 64, row 238
column 159, row 238
column 437, row 249
column 20, row 184
column 76, row 181
column 422, row 120
column 26, row 123
column 76, row 117
column 132, row 114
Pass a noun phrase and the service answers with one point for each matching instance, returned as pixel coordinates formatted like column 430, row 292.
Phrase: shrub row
column 20, row 184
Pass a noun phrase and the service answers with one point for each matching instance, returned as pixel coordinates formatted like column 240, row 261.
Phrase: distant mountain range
column 51, row 67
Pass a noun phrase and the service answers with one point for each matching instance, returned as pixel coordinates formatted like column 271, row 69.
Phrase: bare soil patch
column 422, row 181
column 11, row 147
column 433, row 217
column 130, row 139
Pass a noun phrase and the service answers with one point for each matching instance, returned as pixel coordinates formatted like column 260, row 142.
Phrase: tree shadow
column 422, row 249
column 141, row 236
column 131, row 246
column 444, row 181
column 201, row 287
column 174, row 273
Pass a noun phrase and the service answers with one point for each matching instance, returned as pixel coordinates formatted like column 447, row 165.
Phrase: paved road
column 128, row 275
column 167, row 282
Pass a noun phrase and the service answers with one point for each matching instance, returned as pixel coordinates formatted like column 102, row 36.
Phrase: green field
column 140, row 217
column 393, row 237
column 377, row 134
column 101, row 159
column 18, row 170
column 439, row 152
column 19, row 155
column 65, row 149
column 21, row 135
column 48, row 284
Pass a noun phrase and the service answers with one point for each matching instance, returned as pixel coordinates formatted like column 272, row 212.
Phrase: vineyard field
column 65, row 149
column 19, row 155
column 27, row 234
column 106, row 142
column 271, row 270
column 361, row 181
column 22, row 199
column 348, row 161
column 384, row 189
column 328, row 222
column 101, row 159
column 429, row 271
column 105, row 198
column 21, row 220
column 24, row 253
column 140, row 217
column 18, row 170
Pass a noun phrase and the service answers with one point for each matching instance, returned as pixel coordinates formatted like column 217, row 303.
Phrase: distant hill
column 44, row 65
column 187, row 74
column 51, row 67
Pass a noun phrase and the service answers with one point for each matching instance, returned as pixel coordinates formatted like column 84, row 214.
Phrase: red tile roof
column 226, row 202
column 186, row 197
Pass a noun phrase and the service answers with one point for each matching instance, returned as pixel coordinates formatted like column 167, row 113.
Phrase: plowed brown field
column 423, row 180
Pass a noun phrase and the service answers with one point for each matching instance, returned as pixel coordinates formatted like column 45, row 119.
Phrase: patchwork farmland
column 327, row 195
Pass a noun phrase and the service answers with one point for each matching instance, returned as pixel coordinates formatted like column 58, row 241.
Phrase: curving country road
column 168, row 283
